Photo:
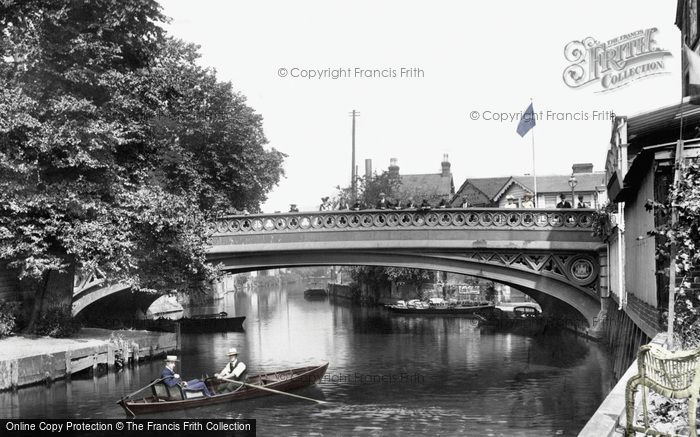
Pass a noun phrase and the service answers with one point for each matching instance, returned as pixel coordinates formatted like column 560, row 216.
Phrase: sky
column 470, row 60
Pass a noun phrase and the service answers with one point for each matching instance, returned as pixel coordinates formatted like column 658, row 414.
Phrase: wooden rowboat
column 164, row 398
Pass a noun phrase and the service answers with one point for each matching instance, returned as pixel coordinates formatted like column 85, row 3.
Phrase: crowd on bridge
column 385, row 203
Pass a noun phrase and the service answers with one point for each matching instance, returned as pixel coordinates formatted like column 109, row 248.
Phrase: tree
column 685, row 235
column 116, row 148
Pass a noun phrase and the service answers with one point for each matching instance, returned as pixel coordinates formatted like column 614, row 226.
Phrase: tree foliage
column 685, row 236
column 115, row 146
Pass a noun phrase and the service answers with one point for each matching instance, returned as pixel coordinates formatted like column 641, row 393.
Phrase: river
column 388, row 374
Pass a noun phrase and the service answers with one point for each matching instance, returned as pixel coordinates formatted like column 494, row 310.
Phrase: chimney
column 368, row 168
column 394, row 167
column 582, row 168
column 445, row 166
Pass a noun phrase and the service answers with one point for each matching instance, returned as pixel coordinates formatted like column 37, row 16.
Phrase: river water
column 388, row 374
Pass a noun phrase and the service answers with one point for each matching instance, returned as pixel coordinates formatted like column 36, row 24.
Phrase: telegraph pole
column 353, row 171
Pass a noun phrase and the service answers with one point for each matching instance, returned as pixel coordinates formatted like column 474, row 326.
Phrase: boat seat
column 162, row 391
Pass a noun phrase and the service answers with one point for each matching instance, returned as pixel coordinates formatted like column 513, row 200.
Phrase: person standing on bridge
column 382, row 203
column 563, row 203
column 170, row 378
column 342, row 204
column 234, row 369
column 325, row 204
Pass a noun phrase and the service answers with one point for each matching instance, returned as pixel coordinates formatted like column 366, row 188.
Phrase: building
column 493, row 192
column 640, row 167
column 432, row 187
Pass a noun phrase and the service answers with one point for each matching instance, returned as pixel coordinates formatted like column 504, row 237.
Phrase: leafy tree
column 115, row 147
column 369, row 187
column 685, row 235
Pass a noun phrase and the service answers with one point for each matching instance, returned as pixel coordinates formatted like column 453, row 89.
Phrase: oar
column 272, row 390
column 143, row 388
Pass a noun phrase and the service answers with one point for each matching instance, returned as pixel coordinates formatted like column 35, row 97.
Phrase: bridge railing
column 480, row 218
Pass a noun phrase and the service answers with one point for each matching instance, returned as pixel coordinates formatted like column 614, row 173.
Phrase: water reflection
column 388, row 374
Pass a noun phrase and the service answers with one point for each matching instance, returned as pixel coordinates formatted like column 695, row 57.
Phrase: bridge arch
column 584, row 301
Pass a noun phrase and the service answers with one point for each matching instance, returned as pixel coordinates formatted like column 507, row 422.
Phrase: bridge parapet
column 470, row 218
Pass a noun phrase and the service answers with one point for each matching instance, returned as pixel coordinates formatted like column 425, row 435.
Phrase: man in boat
column 234, row 369
column 170, row 378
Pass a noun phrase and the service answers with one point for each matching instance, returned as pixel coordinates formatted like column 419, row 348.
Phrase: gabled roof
column 489, row 186
column 507, row 185
column 431, row 185
column 560, row 183
column 494, row 188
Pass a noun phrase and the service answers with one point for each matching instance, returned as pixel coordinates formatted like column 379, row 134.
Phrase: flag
column 527, row 121
column 693, row 75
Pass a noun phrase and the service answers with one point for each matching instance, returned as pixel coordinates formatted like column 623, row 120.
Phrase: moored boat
column 446, row 310
column 438, row 306
column 195, row 325
column 315, row 293
column 164, row 398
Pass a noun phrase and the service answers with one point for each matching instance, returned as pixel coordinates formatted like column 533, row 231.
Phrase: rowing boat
column 164, row 398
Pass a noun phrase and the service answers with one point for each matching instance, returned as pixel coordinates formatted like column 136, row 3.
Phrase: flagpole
column 534, row 175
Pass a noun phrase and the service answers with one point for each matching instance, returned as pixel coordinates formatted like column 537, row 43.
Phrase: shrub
column 9, row 314
column 57, row 322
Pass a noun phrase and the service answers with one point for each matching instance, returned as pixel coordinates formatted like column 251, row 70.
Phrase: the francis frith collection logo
column 614, row 63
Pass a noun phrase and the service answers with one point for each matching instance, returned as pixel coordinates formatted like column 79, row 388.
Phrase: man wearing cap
column 170, row 378
column 234, row 369
column 382, row 203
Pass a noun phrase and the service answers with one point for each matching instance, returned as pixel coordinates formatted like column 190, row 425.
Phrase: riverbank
column 27, row 360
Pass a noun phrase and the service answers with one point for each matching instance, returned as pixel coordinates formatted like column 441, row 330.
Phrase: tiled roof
column 558, row 184
column 489, row 186
column 545, row 184
column 430, row 186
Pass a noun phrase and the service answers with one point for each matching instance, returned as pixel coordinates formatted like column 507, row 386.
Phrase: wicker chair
column 671, row 374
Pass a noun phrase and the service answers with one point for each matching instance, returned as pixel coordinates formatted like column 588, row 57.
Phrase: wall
column 640, row 249
column 9, row 285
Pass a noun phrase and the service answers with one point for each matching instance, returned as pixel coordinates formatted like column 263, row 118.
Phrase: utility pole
column 353, row 171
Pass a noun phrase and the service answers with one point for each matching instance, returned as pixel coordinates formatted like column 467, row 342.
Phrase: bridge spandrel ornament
column 459, row 219
column 570, row 220
column 513, row 219
column 485, row 219
column 329, row 222
column 499, row 219
column 354, row 221
column 527, row 219
column 268, row 224
column 342, row 221
column 418, row 219
column 541, row 219
column 379, row 220
column 316, row 222
column 281, row 223
column 582, row 269
column 246, row 225
column 392, row 219
column 366, row 220
column 431, row 219
column 556, row 219
column 472, row 219
column 293, row 223
column 305, row 223
column 445, row 219
column 585, row 220
column 406, row 219
column 257, row 225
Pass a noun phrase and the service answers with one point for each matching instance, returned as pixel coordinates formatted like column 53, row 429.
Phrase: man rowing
column 234, row 369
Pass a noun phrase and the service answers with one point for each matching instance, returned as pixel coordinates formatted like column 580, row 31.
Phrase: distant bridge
column 552, row 252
